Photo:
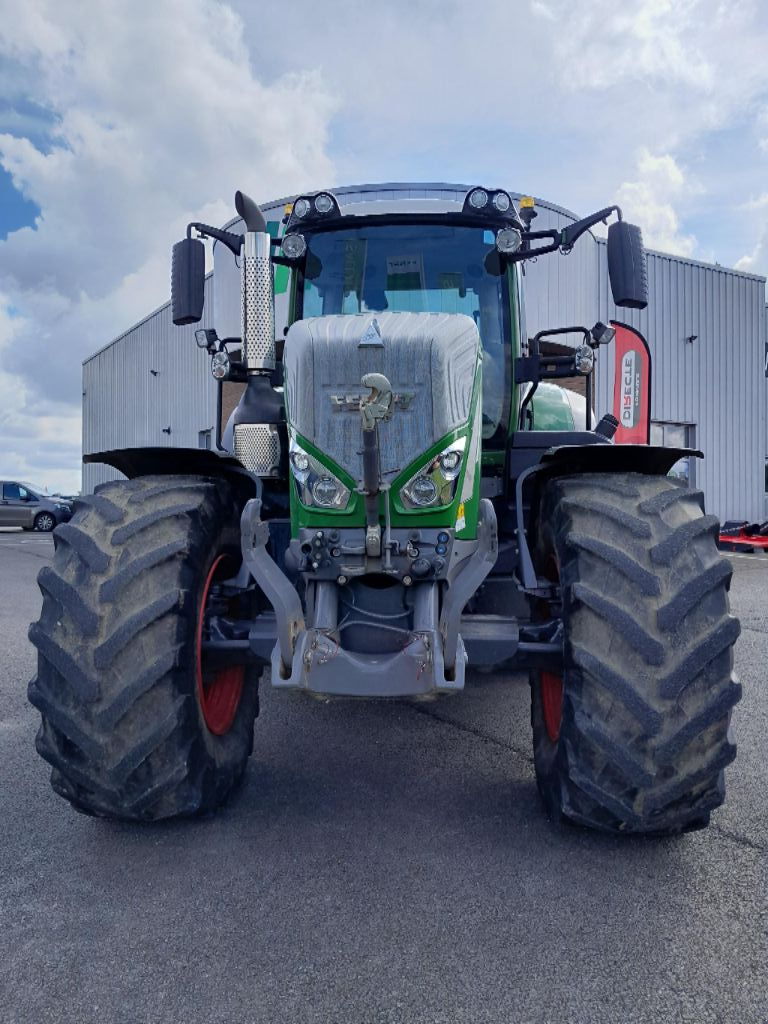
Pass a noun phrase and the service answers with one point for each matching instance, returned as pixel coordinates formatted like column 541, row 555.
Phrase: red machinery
column 744, row 537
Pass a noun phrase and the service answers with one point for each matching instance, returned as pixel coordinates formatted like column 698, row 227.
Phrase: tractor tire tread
column 122, row 727
column 644, row 737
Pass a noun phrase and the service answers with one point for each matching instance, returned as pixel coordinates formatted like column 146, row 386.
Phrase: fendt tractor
column 401, row 493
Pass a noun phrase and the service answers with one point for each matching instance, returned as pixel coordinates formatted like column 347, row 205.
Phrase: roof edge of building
column 700, row 263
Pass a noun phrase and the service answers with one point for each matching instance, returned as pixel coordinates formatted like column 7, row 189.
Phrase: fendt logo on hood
column 351, row 401
column 631, row 383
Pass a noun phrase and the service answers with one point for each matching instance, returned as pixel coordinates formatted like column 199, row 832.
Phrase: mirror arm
column 553, row 331
column 232, row 241
column 525, row 252
column 569, row 235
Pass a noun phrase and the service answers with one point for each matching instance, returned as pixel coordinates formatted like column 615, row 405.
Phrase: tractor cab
column 389, row 264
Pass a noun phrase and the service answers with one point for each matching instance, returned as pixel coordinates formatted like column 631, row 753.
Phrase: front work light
column 478, row 198
column 502, row 202
column 508, row 240
column 301, row 208
column 294, row 246
column 206, row 337
column 323, row 203
column 602, row 334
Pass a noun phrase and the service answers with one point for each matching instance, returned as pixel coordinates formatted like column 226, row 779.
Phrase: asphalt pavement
column 383, row 862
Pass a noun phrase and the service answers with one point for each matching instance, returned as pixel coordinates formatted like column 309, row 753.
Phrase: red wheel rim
column 550, row 684
column 551, row 703
column 220, row 690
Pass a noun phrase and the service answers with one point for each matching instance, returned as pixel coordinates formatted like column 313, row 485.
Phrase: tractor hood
column 430, row 359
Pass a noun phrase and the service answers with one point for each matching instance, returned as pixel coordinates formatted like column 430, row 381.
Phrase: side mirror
column 187, row 281
column 626, row 265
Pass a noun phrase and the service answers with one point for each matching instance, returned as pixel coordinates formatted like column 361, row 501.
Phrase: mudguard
column 133, row 462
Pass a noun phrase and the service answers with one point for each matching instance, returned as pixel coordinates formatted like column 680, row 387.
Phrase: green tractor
column 401, row 493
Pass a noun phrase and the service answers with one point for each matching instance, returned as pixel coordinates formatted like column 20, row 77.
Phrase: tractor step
column 489, row 639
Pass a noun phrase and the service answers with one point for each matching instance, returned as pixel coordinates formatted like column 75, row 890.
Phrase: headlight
column 326, row 491
column 299, row 460
column 316, row 486
column 450, row 462
column 502, row 202
column 220, row 365
column 301, row 208
column 294, row 246
column 478, row 198
column 422, row 490
column 435, row 484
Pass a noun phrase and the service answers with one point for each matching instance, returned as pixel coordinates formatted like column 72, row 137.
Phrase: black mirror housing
column 187, row 281
column 626, row 265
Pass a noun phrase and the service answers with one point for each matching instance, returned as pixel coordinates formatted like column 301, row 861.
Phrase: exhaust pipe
column 258, row 300
column 256, row 436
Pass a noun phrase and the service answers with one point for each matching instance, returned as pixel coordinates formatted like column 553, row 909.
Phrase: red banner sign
column 632, row 386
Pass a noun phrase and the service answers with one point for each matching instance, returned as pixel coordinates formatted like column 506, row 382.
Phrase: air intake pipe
column 258, row 301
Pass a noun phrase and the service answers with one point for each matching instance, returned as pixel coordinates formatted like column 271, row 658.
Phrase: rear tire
column 640, row 737
column 123, row 721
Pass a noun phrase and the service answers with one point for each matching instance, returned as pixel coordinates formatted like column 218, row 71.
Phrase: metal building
column 706, row 326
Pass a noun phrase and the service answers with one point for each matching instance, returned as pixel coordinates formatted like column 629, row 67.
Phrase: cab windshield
column 416, row 268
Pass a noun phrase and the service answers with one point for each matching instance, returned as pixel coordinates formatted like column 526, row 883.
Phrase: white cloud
column 648, row 201
column 157, row 117
column 556, row 101
column 542, row 10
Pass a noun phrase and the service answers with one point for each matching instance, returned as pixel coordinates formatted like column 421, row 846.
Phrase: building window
column 204, row 439
column 677, row 435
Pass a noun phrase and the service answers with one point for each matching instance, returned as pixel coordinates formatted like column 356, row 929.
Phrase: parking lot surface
column 383, row 862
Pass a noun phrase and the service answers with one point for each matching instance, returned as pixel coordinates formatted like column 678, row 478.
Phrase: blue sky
column 15, row 210
column 119, row 123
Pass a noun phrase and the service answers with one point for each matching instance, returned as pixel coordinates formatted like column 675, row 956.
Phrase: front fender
column 566, row 459
column 133, row 462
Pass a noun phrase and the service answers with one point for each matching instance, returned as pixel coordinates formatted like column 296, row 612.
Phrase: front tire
column 634, row 737
column 134, row 724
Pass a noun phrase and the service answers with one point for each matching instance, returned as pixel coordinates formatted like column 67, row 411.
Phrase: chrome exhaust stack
column 257, row 444
column 258, row 303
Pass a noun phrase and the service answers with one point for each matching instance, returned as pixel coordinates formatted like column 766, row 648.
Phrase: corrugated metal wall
column 716, row 383
column 150, row 379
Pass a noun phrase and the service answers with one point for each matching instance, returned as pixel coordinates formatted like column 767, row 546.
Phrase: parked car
column 23, row 505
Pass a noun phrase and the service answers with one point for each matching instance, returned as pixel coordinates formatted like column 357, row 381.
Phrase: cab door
column 16, row 506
